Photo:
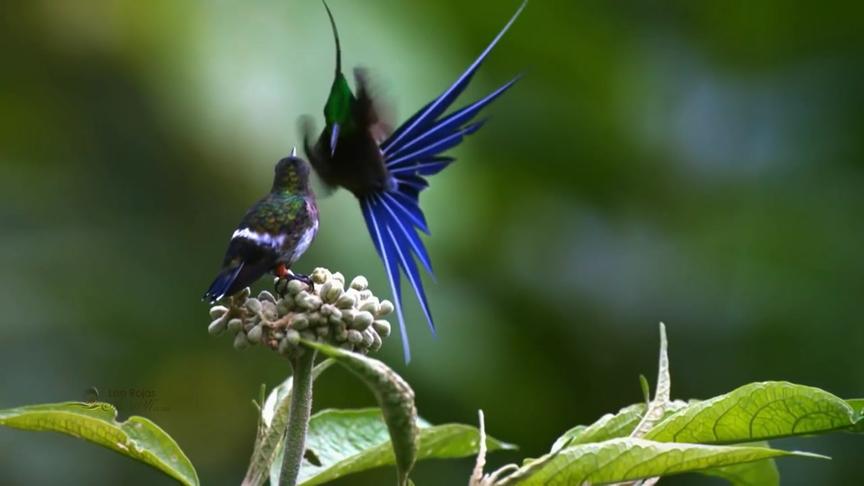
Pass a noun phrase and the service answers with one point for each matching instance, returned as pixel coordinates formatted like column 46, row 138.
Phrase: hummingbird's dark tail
column 411, row 153
column 223, row 283
column 335, row 38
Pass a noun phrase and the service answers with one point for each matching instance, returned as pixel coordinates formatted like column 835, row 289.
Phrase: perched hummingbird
column 273, row 234
column 386, row 170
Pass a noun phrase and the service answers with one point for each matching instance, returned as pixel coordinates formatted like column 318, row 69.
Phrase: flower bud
column 281, row 286
column 340, row 332
column 337, row 276
column 255, row 334
column 377, row 342
column 385, row 308
column 370, row 305
column 359, row 283
column 292, row 336
column 268, row 309
column 316, row 319
column 300, row 322
column 354, row 336
column 217, row 326
column 348, row 316
column 218, row 311
column 243, row 295
column 284, row 306
column 285, row 345
column 362, row 321
column 240, row 341
column 346, row 301
column 326, row 310
column 294, row 287
column 235, row 325
column 331, row 291
column 254, row 305
column 320, row 275
column 266, row 296
column 382, row 327
column 322, row 331
column 367, row 337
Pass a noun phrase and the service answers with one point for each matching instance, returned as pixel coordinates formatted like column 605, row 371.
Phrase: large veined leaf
column 758, row 411
column 342, row 442
column 629, row 459
column 394, row 396
column 136, row 437
column 757, row 473
column 611, row 426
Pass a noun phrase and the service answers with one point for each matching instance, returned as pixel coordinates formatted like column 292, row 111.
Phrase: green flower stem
column 298, row 417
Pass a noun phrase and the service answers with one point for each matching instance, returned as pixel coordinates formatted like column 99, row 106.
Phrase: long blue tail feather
column 387, row 252
column 436, row 147
column 454, row 121
column 410, row 208
column 416, row 245
column 393, row 216
column 433, row 110
column 425, row 167
column 390, row 229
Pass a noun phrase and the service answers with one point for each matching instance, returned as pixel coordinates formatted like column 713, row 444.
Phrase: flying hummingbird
column 386, row 170
column 273, row 234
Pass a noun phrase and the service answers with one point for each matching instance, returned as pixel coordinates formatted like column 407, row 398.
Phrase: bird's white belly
column 304, row 242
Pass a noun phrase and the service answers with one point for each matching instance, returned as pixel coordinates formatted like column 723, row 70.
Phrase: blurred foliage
column 698, row 163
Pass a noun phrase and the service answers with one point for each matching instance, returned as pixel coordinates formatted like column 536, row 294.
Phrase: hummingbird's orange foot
column 282, row 271
column 284, row 276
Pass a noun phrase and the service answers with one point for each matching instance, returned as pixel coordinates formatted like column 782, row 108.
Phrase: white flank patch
column 304, row 242
column 274, row 242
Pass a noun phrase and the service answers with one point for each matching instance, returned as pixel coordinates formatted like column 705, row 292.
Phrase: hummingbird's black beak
column 334, row 139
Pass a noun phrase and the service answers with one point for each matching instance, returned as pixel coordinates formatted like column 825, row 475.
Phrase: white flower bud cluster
column 329, row 313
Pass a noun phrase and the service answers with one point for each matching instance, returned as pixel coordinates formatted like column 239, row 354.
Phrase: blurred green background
column 699, row 163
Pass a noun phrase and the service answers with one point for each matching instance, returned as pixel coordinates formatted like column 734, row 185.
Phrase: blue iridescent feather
column 393, row 216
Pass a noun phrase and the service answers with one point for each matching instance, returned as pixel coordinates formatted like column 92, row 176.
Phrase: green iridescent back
column 280, row 214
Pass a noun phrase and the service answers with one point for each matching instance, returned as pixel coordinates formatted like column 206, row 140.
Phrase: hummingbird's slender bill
column 386, row 170
column 273, row 234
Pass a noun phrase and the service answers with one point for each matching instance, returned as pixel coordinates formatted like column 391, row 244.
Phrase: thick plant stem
column 298, row 418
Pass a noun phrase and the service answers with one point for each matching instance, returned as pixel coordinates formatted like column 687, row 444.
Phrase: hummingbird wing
column 393, row 216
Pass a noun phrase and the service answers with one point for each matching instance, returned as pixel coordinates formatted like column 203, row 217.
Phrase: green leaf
column 137, row 437
column 629, row 459
column 274, row 420
column 857, row 405
column 757, row 473
column 611, row 426
column 662, row 395
column 342, row 442
column 758, row 411
column 646, row 389
column 394, row 396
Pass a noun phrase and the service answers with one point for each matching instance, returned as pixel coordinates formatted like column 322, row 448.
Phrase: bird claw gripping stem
column 285, row 276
